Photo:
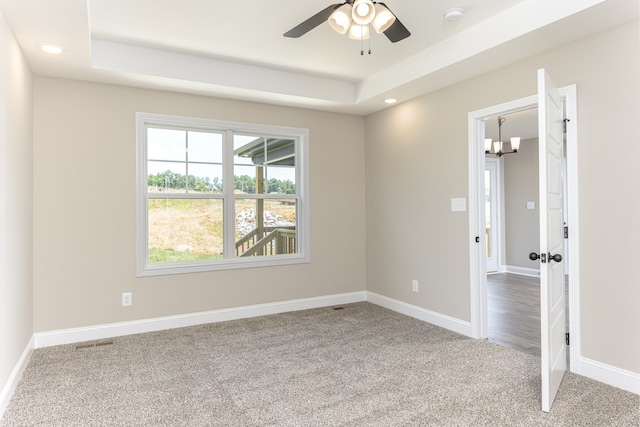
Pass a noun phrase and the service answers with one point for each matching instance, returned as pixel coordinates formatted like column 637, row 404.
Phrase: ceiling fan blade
column 397, row 31
column 312, row 22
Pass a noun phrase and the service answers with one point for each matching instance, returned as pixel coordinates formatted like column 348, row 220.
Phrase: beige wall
column 417, row 161
column 84, row 203
column 521, row 225
column 16, row 306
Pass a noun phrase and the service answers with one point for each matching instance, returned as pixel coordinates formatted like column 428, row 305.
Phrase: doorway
column 477, row 225
column 513, row 217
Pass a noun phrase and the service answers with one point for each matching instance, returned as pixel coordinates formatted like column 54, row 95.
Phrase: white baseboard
column 616, row 377
column 14, row 378
column 523, row 271
column 598, row 371
column 420, row 313
column 607, row 374
column 89, row 333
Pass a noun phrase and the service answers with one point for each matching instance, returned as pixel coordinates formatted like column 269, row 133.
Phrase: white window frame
column 301, row 135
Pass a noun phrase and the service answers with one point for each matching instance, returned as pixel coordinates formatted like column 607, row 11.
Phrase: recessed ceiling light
column 390, row 100
column 453, row 14
column 51, row 47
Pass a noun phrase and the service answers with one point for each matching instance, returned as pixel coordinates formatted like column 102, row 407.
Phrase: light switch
column 458, row 205
column 531, row 205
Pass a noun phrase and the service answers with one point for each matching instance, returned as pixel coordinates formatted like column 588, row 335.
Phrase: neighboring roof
column 280, row 152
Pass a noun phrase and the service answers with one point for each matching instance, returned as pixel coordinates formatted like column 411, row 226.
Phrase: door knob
column 556, row 257
column 534, row 256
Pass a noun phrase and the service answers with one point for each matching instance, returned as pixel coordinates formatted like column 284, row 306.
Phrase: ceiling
column 236, row 49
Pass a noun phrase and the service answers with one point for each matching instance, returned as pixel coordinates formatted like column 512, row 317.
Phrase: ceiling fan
column 355, row 16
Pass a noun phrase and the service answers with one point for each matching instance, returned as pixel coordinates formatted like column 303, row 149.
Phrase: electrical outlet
column 127, row 299
column 414, row 285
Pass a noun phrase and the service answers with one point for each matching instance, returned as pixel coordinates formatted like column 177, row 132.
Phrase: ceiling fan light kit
column 359, row 32
column 355, row 17
column 363, row 12
column 340, row 20
column 383, row 19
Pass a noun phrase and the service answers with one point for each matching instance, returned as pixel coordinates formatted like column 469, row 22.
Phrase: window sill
column 206, row 266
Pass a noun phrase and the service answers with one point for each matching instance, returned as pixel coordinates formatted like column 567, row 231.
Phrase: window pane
column 243, row 148
column 205, row 147
column 280, row 152
column 166, row 177
column 205, row 178
column 280, row 180
column 244, row 168
column 244, row 178
column 275, row 234
column 185, row 230
column 166, row 144
column 273, row 159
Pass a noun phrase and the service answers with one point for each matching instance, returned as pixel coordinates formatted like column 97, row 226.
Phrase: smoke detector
column 454, row 14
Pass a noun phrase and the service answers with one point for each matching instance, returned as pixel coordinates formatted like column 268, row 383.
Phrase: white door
column 552, row 305
column 491, row 199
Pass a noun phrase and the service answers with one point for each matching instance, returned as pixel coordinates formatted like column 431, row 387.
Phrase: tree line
column 244, row 183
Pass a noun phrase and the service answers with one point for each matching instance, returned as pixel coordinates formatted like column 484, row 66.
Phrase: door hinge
column 566, row 232
column 477, row 239
column 567, row 338
column 564, row 125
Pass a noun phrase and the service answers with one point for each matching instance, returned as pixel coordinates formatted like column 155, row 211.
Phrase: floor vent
column 338, row 308
column 93, row 344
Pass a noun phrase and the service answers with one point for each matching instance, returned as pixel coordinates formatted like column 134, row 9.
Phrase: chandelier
column 498, row 146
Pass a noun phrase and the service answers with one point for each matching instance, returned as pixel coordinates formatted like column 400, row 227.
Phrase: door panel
column 552, row 305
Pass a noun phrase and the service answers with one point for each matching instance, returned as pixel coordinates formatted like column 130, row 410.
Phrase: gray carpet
column 359, row 366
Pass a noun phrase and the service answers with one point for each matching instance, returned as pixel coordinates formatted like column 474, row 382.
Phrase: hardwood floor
column 513, row 303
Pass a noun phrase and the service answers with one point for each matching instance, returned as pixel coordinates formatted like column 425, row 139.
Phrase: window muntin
column 183, row 161
column 190, row 220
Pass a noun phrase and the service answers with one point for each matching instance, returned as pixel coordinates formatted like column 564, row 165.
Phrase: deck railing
column 274, row 241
